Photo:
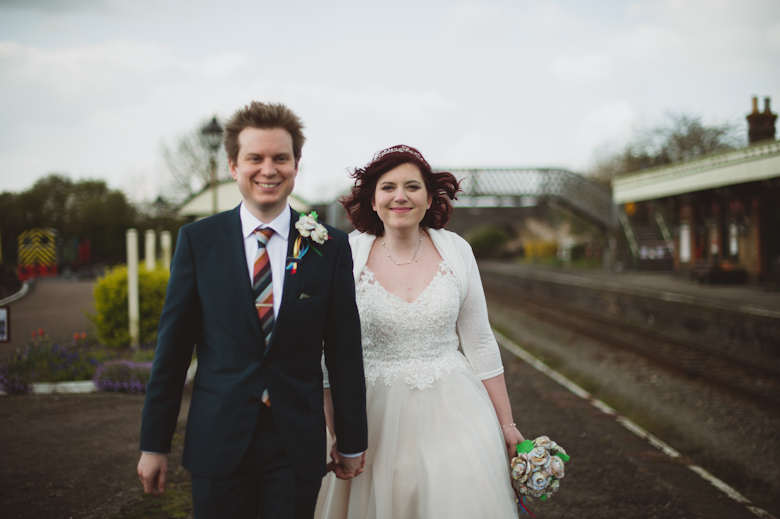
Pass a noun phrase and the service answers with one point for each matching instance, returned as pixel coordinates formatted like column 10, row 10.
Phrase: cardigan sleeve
column 476, row 336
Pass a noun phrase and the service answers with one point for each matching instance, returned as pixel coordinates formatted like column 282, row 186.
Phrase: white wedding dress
column 435, row 447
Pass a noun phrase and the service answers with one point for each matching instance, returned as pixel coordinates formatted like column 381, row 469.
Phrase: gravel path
column 74, row 456
column 733, row 438
column 70, row 456
column 57, row 306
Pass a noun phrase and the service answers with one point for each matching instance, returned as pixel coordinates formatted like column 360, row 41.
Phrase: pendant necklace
column 408, row 262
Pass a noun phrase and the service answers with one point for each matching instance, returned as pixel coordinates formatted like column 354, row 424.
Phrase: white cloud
column 727, row 36
column 123, row 98
column 773, row 36
column 609, row 122
column 62, row 6
column 471, row 22
column 587, row 70
column 113, row 66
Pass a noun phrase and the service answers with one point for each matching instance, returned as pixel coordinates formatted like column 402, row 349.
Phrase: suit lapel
column 237, row 270
column 291, row 284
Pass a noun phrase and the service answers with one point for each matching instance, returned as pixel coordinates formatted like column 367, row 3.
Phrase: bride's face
column 400, row 198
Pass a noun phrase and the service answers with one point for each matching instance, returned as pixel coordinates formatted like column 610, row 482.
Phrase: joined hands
column 345, row 467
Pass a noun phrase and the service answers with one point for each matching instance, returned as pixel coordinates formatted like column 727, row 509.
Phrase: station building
column 227, row 196
column 715, row 218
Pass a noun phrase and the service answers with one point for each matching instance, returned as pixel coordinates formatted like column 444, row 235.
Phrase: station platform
column 749, row 298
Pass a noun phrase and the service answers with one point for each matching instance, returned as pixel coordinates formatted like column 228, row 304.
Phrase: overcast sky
column 91, row 88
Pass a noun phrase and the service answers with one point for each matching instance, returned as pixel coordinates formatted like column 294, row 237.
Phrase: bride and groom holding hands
column 297, row 332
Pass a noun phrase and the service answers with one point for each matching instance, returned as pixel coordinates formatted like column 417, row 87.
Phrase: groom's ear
column 232, row 167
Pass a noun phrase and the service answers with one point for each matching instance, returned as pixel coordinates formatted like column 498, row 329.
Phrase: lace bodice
column 415, row 341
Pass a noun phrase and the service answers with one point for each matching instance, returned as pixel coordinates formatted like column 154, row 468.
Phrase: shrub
column 488, row 241
column 42, row 361
column 111, row 320
column 145, row 353
column 123, row 376
column 540, row 250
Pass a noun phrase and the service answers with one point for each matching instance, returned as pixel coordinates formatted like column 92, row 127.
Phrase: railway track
column 748, row 378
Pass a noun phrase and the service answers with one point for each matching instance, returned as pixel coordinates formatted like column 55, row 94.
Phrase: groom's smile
column 265, row 170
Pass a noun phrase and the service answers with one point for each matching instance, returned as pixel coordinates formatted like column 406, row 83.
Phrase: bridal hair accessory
column 537, row 469
column 308, row 227
column 401, row 148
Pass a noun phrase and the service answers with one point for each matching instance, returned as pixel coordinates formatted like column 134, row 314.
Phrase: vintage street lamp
column 212, row 132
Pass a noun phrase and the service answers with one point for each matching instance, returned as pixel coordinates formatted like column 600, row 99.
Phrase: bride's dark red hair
column 442, row 186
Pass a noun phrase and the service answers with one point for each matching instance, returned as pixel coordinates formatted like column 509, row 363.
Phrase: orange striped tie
column 262, row 285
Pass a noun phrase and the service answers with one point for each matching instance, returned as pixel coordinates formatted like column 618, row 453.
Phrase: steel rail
column 745, row 377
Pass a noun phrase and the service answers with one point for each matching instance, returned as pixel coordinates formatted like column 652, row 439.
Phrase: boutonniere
column 308, row 227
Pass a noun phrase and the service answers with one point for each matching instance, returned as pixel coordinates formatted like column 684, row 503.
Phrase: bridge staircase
column 649, row 239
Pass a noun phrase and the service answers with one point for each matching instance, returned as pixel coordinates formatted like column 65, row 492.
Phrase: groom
column 255, row 439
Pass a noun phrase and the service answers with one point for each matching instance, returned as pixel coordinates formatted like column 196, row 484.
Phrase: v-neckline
column 439, row 269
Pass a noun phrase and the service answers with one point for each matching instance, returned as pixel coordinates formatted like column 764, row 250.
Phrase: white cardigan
column 473, row 328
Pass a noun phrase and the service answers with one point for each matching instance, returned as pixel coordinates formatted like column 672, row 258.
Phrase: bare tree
column 683, row 137
column 188, row 167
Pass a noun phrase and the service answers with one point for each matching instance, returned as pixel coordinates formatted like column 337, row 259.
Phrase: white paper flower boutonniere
column 308, row 227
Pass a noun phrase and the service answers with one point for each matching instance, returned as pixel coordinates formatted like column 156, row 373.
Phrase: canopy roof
column 756, row 162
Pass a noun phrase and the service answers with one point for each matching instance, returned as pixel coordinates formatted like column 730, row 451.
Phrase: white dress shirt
column 277, row 254
column 276, row 248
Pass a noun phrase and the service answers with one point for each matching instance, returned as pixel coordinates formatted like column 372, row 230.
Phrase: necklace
column 408, row 262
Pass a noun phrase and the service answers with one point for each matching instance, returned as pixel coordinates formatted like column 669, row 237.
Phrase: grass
column 176, row 502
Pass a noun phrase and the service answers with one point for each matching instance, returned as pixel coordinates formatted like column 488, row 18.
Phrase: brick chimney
column 761, row 125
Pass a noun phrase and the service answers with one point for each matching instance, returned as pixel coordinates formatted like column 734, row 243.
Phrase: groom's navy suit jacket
column 209, row 304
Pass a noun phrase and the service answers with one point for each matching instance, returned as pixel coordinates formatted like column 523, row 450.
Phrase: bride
column 440, row 425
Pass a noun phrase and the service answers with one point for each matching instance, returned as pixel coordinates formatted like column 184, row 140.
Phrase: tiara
column 401, row 148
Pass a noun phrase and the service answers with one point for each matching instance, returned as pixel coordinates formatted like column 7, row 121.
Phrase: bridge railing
column 581, row 195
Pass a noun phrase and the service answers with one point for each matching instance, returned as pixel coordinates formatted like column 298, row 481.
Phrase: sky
column 94, row 88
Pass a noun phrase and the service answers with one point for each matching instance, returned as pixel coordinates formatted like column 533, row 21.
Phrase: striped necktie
column 262, row 284
column 263, row 288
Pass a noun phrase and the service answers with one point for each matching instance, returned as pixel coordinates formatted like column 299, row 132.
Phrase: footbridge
column 494, row 187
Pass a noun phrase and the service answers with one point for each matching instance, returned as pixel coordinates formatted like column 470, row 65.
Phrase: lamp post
column 212, row 132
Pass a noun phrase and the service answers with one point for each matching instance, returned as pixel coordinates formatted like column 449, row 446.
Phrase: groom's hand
column 152, row 469
column 350, row 467
column 344, row 467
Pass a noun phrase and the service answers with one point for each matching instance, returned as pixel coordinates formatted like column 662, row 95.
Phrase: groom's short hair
column 265, row 116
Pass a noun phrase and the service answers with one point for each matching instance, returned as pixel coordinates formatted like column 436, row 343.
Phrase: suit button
column 254, row 401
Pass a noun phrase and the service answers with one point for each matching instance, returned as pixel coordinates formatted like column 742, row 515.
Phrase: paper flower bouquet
column 537, row 469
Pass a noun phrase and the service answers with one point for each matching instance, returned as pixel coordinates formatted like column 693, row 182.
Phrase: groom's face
column 265, row 170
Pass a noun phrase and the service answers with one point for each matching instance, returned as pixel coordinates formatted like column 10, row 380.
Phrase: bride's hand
column 334, row 457
column 512, row 438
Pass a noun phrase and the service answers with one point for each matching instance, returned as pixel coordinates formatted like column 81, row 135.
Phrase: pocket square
column 303, row 296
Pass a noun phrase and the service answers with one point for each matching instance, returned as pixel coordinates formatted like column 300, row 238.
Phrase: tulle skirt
column 432, row 453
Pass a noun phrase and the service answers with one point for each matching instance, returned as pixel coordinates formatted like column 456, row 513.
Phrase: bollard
column 149, row 252
column 165, row 246
column 133, row 312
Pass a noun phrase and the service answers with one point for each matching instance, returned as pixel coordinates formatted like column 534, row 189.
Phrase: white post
column 165, row 245
column 133, row 312
column 149, row 253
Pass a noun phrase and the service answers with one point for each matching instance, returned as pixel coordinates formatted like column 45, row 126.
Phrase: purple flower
column 123, row 376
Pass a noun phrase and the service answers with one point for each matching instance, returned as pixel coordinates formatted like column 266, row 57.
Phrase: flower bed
column 44, row 367
column 43, row 361
column 123, row 376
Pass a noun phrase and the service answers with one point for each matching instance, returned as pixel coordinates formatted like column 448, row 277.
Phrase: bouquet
column 537, row 469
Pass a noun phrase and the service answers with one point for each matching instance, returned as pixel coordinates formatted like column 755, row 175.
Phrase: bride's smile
column 400, row 199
